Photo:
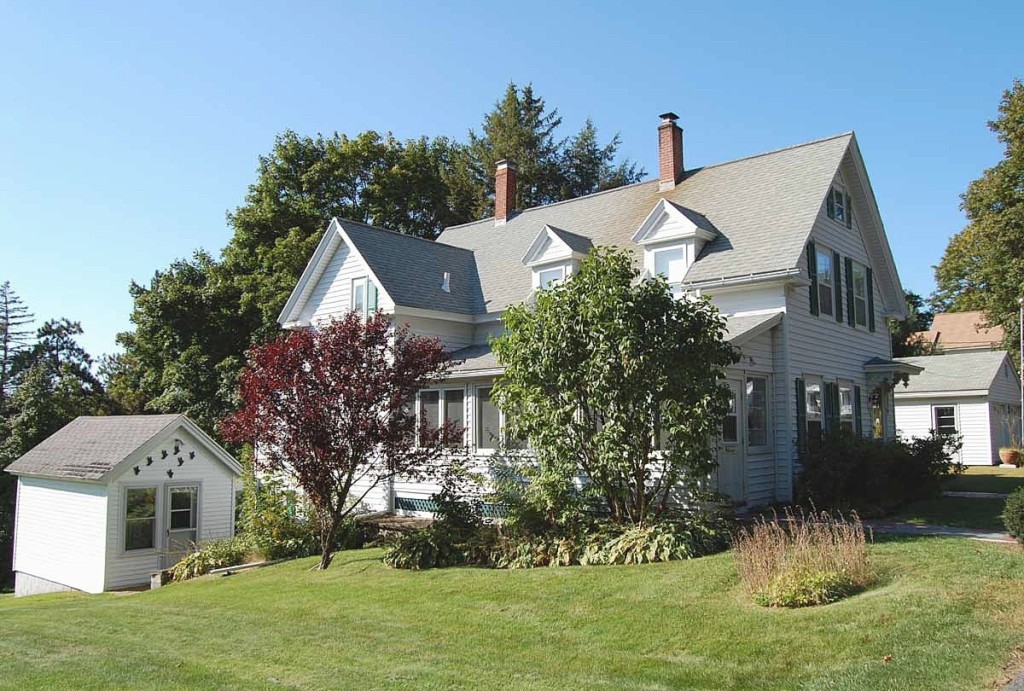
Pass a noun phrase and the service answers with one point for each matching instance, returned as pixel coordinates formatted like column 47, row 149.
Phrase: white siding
column 1005, row 385
column 748, row 300
column 453, row 334
column 332, row 295
column 59, row 532
column 914, row 418
column 217, row 486
column 760, row 481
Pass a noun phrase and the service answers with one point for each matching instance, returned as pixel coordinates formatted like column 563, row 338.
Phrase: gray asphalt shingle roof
column 411, row 269
column 762, row 207
column 954, row 372
column 89, row 447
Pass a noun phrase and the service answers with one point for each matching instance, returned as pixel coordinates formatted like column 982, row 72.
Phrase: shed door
column 182, row 521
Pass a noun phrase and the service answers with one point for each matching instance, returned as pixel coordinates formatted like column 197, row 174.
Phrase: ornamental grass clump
column 803, row 560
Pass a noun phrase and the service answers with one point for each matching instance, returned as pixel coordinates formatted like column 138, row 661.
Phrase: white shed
column 106, row 501
column 976, row 395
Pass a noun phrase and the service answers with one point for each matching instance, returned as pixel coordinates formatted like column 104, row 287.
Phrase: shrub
column 847, row 472
column 665, row 541
column 1013, row 514
column 426, row 548
column 810, row 559
column 211, row 555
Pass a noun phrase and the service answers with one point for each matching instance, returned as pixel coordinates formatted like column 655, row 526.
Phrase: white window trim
column 198, row 484
column 838, row 192
column 568, row 268
column 653, row 249
column 123, row 520
column 358, row 281
column 819, row 416
column 956, row 416
column 852, row 417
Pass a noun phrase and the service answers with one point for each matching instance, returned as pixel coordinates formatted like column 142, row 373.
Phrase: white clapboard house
column 105, row 502
column 789, row 244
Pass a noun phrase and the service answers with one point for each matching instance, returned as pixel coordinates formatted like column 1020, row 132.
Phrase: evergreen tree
column 15, row 337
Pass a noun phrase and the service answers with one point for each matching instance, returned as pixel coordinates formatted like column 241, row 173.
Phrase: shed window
column 140, row 518
column 359, row 295
column 945, row 419
column 825, row 282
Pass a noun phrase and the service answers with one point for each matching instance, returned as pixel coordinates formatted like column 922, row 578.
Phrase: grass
column 988, row 479
column 959, row 512
column 949, row 613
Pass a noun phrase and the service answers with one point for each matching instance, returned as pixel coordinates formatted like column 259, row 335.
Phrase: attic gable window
column 364, row 296
column 837, row 206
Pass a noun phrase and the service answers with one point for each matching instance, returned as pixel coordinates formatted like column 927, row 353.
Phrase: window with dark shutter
column 812, row 273
column 849, row 212
column 871, row 299
column 830, row 208
column 849, row 292
column 838, row 276
column 858, row 412
column 801, row 418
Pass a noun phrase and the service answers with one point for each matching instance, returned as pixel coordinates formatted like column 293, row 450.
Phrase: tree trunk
column 327, row 531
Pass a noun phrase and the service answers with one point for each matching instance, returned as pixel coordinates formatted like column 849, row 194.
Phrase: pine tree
column 15, row 338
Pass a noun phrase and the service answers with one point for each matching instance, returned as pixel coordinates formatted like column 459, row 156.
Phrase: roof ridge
column 651, row 181
column 367, row 226
column 812, row 142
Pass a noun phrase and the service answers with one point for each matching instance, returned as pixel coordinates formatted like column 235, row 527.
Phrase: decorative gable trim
column 329, row 243
column 667, row 222
column 212, row 449
column 550, row 248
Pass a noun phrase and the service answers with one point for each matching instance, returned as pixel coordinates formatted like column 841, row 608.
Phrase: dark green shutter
column 830, row 205
column 371, row 297
column 858, row 412
column 850, row 318
column 837, row 283
column 849, row 212
column 871, row 299
column 801, row 417
column 812, row 273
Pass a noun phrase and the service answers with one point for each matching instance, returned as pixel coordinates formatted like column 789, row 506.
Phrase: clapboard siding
column 332, row 295
column 914, row 418
column 60, row 528
column 217, row 485
column 453, row 335
column 1005, row 386
column 748, row 300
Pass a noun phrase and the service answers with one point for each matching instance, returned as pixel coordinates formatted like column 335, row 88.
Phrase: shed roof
column 89, row 447
column 953, row 372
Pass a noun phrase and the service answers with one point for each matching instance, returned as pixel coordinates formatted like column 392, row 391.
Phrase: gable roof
column 408, row 269
column 954, row 372
column 955, row 330
column 92, row 447
column 763, row 208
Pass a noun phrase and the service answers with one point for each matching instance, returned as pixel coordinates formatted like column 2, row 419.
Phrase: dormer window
column 671, row 263
column 548, row 278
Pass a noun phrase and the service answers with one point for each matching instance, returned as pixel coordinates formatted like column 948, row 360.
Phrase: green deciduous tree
column 602, row 371
column 983, row 266
column 904, row 342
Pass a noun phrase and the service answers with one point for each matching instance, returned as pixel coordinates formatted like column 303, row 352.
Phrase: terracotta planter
column 1009, row 456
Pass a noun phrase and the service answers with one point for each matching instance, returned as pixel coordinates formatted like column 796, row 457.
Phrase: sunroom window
column 491, row 423
column 441, row 406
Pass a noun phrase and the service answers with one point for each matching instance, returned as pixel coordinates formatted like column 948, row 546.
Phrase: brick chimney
column 504, row 192
column 670, row 152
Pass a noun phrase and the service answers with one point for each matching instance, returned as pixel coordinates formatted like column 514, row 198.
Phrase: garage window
column 945, row 419
column 140, row 518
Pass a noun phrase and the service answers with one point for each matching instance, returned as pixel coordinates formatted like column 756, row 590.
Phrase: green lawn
column 960, row 512
column 988, row 479
column 949, row 613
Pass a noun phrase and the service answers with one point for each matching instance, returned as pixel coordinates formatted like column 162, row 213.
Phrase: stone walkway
column 899, row 528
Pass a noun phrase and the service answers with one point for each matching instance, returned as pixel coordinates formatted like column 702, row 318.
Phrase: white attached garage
column 106, row 501
column 976, row 395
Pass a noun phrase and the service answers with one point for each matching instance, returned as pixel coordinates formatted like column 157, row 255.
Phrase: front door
column 730, row 449
column 182, row 521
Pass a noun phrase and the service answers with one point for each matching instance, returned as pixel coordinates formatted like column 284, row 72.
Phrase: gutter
column 785, row 275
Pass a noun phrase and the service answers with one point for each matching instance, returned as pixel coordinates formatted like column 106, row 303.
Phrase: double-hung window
column 846, row 407
column 359, row 295
column 549, row 278
column 443, row 406
column 140, row 518
column 826, row 299
column 813, row 402
column 860, row 295
column 671, row 263
column 944, row 419
column 757, row 411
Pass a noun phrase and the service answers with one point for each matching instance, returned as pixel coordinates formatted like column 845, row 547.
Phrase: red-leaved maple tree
column 332, row 408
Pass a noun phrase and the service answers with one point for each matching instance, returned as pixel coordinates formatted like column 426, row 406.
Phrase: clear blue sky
column 127, row 132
